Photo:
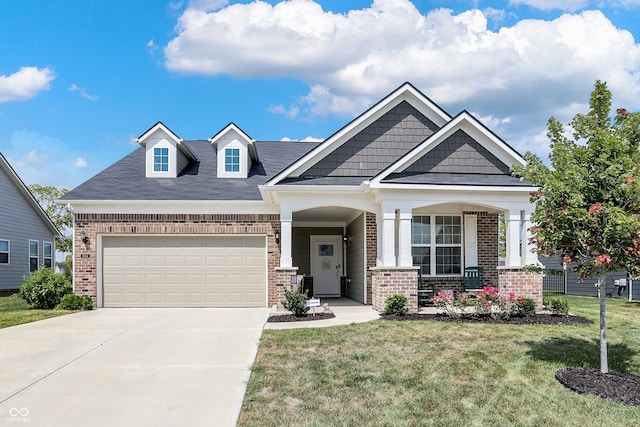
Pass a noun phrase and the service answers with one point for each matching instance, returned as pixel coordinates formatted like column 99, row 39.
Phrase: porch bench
column 426, row 290
column 473, row 279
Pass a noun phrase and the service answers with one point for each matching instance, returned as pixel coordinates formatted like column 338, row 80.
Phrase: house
column 27, row 235
column 402, row 191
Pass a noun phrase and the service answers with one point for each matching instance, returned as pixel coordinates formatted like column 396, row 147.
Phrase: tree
column 588, row 203
column 61, row 217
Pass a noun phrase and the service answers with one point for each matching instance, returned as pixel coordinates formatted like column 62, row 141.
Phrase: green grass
column 15, row 311
column 387, row 373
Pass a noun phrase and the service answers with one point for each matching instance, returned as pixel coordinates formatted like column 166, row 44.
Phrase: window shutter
column 470, row 240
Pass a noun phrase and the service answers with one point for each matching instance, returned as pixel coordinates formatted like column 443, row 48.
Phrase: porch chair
column 473, row 279
column 426, row 290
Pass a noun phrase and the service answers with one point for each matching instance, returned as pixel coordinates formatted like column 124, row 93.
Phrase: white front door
column 326, row 265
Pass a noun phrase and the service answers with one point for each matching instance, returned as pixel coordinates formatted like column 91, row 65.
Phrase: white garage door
column 184, row 271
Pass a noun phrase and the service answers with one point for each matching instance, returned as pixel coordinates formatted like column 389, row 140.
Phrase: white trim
column 44, row 254
column 8, row 252
column 339, row 245
column 470, row 238
column 37, row 257
column 320, row 224
column 406, row 92
column 172, row 207
column 179, row 142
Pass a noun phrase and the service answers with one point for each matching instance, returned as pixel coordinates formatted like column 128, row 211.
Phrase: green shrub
column 396, row 304
column 44, row 289
column 75, row 302
column 525, row 307
column 296, row 302
column 559, row 306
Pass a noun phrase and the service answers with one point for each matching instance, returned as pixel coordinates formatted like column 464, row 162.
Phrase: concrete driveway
column 129, row 367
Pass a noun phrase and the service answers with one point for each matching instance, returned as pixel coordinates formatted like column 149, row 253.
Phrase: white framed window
column 47, row 254
column 436, row 244
column 4, row 251
column 161, row 159
column 33, row 255
column 232, row 160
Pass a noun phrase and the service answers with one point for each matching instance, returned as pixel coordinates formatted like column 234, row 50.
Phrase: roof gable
column 378, row 145
column 179, row 142
column 462, row 146
column 24, row 191
column 459, row 153
column 347, row 137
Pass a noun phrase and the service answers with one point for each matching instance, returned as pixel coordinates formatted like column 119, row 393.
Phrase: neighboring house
column 27, row 235
column 228, row 222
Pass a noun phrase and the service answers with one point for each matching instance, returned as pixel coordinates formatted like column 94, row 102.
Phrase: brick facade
column 371, row 251
column 85, row 262
column 521, row 283
column 387, row 281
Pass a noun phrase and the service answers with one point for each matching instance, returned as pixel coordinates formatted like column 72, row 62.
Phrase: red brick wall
column 395, row 280
column 85, row 262
column 521, row 283
column 372, row 250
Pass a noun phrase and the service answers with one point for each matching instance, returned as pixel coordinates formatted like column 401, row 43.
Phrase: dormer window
column 160, row 159
column 232, row 160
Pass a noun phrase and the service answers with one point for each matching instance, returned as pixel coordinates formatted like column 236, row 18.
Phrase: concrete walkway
column 129, row 367
column 345, row 310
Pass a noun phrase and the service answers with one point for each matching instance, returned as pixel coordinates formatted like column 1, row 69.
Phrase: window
column 4, row 252
column 232, row 160
column 47, row 250
column 436, row 244
column 33, row 255
column 160, row 159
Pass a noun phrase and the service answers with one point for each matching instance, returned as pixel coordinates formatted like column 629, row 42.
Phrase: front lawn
column 15, row 311
column 386, row 373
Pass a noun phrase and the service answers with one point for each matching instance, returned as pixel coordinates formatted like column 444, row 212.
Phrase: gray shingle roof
column 125, row 179
column 325, row 180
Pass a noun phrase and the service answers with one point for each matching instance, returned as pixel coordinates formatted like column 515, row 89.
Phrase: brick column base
column 386, row 281
column 283, row 281
column 522, row 283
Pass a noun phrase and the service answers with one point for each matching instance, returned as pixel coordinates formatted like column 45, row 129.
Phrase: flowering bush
column 486, row 302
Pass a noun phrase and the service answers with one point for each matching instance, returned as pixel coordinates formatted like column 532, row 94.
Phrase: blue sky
column 80, row 80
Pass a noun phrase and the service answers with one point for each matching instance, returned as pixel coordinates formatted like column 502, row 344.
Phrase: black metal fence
column 553, row 282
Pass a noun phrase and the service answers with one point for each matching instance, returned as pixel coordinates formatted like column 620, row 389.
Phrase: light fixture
column 345, row 239
column 277, row 236
column 84, row 238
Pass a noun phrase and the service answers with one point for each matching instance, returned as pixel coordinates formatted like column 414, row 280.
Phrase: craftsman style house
column 403, row 192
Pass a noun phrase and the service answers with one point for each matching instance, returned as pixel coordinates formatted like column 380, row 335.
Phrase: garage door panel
column 174, row 271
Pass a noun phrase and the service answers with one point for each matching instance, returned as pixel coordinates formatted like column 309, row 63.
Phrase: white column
column 514, row 258
column 285, row 238
column 379, row 239
column 404, row 240
column 528, row 256
column 388, row 239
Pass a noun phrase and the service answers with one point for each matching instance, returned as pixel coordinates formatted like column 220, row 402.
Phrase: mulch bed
column 292, row 318
column 538, row 319
column 618, row 386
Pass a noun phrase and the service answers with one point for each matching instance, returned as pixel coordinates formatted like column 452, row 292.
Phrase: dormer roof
column 182, row 146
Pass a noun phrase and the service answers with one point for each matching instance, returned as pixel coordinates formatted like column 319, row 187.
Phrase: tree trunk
column 602, row 285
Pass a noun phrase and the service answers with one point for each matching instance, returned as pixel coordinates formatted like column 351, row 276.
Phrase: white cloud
column 83, row 92
column 81, row 162
column 151, row 47
column 307, row 139
column 526, row 72
column 25, row 83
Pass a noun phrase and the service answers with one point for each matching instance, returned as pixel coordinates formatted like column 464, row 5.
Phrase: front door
column 326, row 265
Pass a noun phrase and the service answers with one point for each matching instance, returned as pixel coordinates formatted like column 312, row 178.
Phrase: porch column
column 388, row 239
column 404, row 240
column 285, row 239
column 528, row 256
column 514, row 258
